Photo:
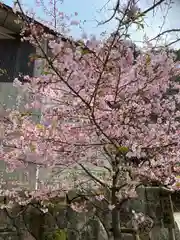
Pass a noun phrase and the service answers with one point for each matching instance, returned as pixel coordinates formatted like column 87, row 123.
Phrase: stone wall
column 30, row 223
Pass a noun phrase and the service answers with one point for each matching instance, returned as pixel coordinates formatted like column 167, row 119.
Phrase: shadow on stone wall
column 31, row 222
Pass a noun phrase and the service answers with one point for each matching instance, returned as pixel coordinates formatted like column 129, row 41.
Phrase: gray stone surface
column 32, row 224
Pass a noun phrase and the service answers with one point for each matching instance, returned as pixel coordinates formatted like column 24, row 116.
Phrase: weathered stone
column 33, row 224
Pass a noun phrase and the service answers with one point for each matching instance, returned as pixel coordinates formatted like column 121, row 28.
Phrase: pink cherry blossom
column 83, row 117
column 107, row 120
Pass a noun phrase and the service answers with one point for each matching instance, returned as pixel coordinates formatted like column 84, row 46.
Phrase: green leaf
column 123, row 149
column 40, row 126
column 140, row 26
column 85, row 51
column 148, row 59
column 34, row 56
column 26, row 114
column 32, row 147
column 45, row 73
column 60, row 235
column 80, row 43
column 3, row 72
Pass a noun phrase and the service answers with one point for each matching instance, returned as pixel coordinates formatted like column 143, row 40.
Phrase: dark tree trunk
column 116, row 225
column 116, row 230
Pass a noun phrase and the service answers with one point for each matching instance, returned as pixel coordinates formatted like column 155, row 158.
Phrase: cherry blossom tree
column 103, row 108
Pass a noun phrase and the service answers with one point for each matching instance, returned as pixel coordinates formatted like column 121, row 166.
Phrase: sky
column 89, row 10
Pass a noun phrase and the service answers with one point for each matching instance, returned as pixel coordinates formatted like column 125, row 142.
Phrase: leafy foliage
column 59, row 234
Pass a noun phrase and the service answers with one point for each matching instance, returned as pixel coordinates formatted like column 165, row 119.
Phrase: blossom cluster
column 94, row 95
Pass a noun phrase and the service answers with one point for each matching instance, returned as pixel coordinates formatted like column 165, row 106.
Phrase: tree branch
column 164, row 32
column 116, row 9
column 93, row 177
